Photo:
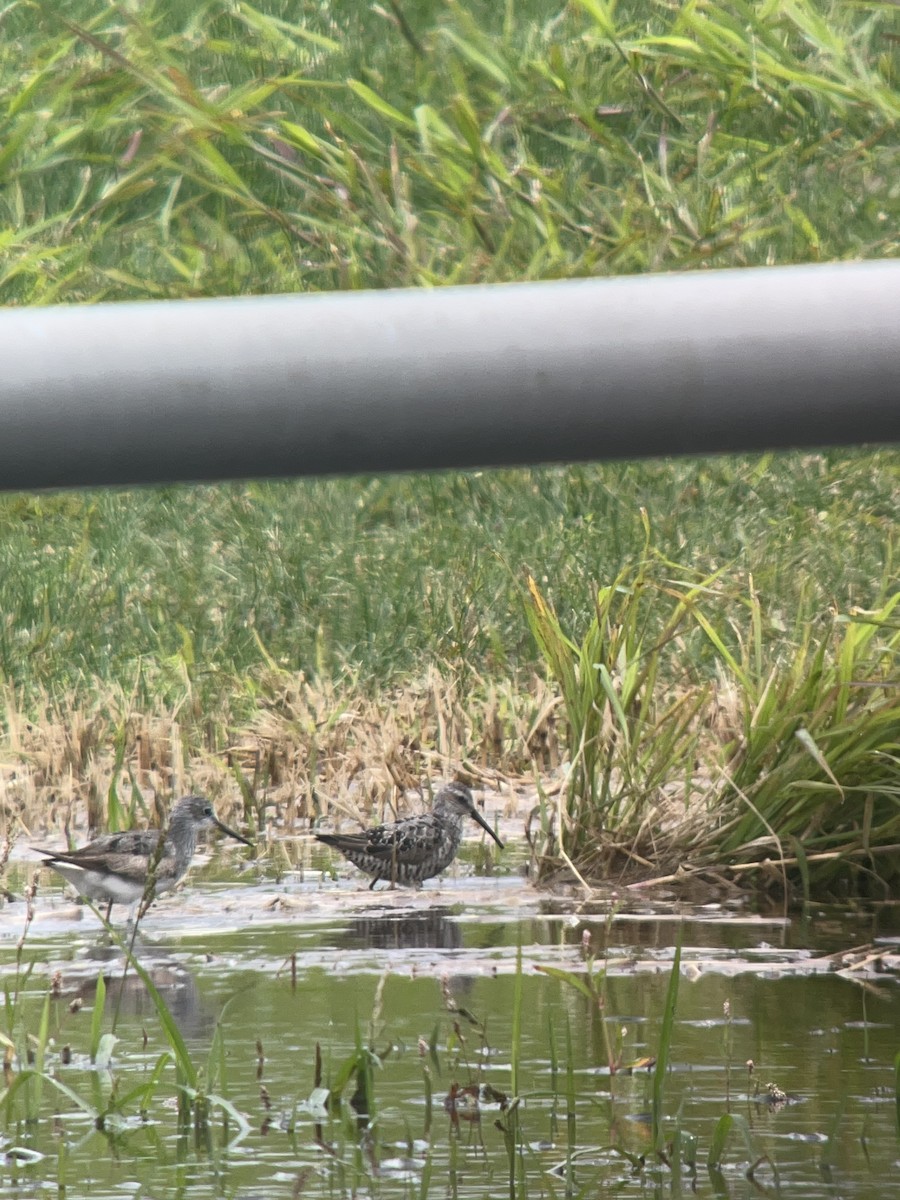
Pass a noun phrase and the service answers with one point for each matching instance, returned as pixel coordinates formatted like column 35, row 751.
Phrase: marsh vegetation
column 664, row 669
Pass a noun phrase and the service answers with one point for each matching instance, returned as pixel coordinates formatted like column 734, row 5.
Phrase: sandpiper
column 116, row 868
column 416, row 848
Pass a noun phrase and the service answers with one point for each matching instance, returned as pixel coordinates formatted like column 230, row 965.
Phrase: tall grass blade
column 662, row 1055
column 718, row 1141
column 516, row 1030
column 177, row 1045
column 29, row 1076
column 97, row 1015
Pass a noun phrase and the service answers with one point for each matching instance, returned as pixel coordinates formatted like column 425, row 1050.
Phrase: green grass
column 182, row 149
column 376, row 579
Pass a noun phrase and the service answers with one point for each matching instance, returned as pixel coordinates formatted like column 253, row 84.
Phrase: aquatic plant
column 781, row 766
column 663, row 1050
column 627, row 740
column 347, row 1125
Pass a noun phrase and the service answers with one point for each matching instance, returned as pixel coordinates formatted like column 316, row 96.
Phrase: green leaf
column 719, row 1138
column 169, row 1025
column 305, row 140
column 375, row 102
column 25, row 1077
column 103, row 1057
column 571, row 979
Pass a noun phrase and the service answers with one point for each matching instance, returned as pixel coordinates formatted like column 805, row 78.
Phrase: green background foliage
column 173, row 149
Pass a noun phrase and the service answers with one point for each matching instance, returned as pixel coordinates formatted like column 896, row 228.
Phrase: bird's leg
column 109, row 911
column 394, row 868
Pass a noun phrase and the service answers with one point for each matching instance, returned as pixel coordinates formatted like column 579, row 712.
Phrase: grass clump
column 814, row 773
column 784, row 763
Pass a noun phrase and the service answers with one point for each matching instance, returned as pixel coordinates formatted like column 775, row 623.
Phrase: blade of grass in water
column 97, row 1015
column 665, row 1044
column 571, row 1128
column 511, row 1125
column 516, row 1031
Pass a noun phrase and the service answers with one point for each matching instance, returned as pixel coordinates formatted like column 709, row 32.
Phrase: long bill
column 476, row 815
column 237, row 836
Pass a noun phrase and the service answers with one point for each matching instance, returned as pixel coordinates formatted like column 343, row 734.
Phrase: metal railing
column 455, row 377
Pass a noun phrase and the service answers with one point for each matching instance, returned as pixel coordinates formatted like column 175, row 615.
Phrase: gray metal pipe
column 456, row 377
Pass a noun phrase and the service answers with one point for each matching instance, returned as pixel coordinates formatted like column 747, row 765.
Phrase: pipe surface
column 454, row 377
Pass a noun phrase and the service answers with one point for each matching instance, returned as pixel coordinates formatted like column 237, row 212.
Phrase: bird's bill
column 476, row 815
column 237, row 836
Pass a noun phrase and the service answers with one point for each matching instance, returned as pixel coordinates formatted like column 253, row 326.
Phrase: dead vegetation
column 310, row 750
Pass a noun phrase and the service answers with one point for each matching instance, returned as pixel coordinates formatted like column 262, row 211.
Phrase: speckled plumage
column 114, row 869
column 416, row 848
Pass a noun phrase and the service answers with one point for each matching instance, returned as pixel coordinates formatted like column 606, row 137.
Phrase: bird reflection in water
column 434, row 929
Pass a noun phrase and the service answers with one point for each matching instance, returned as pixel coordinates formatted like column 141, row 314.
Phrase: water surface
column 280, row 987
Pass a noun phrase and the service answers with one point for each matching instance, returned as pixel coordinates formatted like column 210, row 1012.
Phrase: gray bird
column 114, row 869
column 416, row 848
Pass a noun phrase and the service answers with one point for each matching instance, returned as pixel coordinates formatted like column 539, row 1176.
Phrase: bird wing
column 132, row 867
column 414, row 840
column 126, row 854
column 133, row 841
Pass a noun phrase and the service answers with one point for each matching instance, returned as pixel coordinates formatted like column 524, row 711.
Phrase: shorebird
column 115, row 869
column 416, row 848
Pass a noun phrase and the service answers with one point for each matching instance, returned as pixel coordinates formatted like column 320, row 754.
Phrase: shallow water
column 428, row 980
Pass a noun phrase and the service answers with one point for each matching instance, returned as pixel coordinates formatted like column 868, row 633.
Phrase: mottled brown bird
column 416, row 848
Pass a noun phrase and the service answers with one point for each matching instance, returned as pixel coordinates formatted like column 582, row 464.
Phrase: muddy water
column 265, row 976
